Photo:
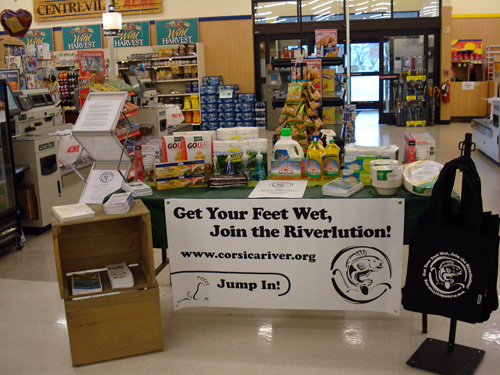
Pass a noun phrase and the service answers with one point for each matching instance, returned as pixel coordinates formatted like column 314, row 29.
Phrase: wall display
column 286, row 253
column 177, row 31
column 82, row 37
column 91, row 60
column 53, row 10
column 134, row 34
column 38, row 36
column 12, row 78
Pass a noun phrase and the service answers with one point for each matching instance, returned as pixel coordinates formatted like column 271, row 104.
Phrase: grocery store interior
column 249, row 46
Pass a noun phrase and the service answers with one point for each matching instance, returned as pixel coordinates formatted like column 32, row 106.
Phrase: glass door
column 365, row 70
column 398, row 54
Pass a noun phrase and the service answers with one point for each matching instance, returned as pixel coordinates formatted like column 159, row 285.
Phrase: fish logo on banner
column 447, row 275
column 361, row 274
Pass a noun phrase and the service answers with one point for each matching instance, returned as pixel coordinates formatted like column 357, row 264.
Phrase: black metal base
column 433, row 355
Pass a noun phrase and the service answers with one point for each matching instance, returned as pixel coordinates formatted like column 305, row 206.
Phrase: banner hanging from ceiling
column 135, row 34
column 53, row 10
column 38, row 36
column 82, row 37
column 177, row 31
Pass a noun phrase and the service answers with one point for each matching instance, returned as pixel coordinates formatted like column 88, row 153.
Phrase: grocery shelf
column 179, row 94
column 133, row 134
column 176, row 80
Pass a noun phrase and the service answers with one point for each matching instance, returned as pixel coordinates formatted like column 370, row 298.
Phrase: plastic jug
column 286, row 147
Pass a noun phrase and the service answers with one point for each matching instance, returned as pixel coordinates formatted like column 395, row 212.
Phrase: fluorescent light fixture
column 322, row 4
column 273, row 5
column 380, row 8
column 362, row 8
column 363, row 3
column 281, row 20
column 263, row 14
column 270, row 18
column 321, row 10
column 322, row 18
column 324, row 14
column 291, row 2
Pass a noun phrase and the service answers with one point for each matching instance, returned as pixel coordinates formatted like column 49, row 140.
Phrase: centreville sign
column 134, row 34
column 52, row 10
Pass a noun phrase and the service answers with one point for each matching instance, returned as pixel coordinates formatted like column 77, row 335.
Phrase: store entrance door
column 398, row 54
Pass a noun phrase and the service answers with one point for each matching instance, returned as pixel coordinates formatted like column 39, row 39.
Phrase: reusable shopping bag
column 453, row 256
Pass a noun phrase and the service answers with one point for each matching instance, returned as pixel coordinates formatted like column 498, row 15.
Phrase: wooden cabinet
column 113, row 323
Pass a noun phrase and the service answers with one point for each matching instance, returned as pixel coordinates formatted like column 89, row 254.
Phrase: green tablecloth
column 414, row 205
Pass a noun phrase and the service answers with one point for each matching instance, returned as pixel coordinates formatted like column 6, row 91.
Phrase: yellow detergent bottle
column 315, row 155
column 332, row 160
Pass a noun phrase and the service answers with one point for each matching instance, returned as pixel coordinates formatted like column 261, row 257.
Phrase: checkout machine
column 151, row 114
column 42, row 182
column 276, row 88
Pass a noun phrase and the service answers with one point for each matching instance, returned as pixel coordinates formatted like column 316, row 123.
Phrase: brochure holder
column 95, row 131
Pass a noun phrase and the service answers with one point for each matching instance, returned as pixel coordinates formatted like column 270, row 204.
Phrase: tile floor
column 34, row 340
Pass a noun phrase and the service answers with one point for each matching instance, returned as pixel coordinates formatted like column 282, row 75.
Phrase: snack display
column 300, row 113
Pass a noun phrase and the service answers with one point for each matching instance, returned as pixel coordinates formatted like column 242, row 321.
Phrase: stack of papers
column 138, row 189
column 120, row 275
column 72, row 212
column 84, row 283
column 119, row 204
column 342, row 187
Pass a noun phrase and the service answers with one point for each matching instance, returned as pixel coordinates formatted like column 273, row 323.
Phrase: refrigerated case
column 10, row 218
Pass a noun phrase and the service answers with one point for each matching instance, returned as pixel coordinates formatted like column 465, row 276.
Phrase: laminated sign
column 286, row 253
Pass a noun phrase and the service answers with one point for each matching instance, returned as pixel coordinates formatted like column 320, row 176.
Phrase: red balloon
column 16, row 22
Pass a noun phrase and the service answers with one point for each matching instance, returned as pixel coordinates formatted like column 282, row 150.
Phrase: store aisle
column 223, row 341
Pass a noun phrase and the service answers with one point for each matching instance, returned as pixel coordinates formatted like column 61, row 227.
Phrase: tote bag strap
column 470, row 201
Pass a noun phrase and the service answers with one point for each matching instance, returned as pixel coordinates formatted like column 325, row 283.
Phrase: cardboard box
column 286, row 169
column 418, row 146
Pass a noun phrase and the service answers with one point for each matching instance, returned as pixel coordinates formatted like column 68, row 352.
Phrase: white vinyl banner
column 321, row 254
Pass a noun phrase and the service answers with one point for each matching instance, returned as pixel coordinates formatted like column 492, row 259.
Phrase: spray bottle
column 215, row 167
column 229, row 166
column 259, row 172
column 245, row 165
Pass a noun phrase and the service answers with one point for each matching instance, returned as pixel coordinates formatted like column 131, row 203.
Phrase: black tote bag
column 453, row 256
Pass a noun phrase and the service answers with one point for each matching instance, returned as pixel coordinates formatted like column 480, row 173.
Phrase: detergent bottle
column 332, row 160
column 286, row 147
column 315, row 162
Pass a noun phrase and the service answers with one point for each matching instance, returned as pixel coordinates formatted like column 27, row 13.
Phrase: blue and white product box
column 261, row 124
column 244, row 116
column 244, row 107
column 208, row 99
column 260, row 115
column 209, row 108
column 212, row 80
column 226, row 116
column 245, row 124
column 189, row 87
column 227, row 100
column 208, row 117
column 247, row 97
column 226, row 107
column 211, row 125
column 227, row 124
column 260, row 106
column 209, row 90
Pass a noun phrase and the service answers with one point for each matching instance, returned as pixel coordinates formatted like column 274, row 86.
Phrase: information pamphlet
column 72, row 212
column 342, row 187
column 279, row 189
column 84, row 283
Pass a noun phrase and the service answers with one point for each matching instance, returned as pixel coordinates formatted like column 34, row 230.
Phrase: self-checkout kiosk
column 151, row 114
column 43, row 183
column 274, row 90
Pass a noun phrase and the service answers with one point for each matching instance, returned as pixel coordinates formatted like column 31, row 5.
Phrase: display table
column 414, row 205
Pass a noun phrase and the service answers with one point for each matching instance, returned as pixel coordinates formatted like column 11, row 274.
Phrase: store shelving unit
column 411, row 101
column 113, row 323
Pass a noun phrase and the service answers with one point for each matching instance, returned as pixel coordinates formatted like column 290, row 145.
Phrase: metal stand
column 443, row 357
